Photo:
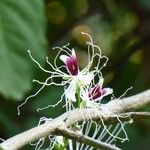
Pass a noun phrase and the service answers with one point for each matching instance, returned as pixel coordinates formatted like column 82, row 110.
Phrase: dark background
column 120, row 28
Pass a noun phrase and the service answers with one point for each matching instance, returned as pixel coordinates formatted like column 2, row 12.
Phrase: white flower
column 72, row 78
column 77, row 78
column 95, row 93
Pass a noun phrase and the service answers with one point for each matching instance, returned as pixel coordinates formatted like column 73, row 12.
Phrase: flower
column 98, row 92
column 79, row 86
column 95, row 93
column 74, row 79
column 71, row 63
column 78, row 78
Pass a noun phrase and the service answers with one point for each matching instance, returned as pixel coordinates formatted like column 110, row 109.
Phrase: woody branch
column 120, row 107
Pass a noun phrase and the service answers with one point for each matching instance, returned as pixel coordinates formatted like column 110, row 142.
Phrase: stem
column 78, row 95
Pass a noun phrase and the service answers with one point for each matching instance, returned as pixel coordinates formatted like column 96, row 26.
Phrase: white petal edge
column 108, row 91
column 101, row 81
column 86, row 79
column 73, row 52
column 64, row 58
column 71, row 91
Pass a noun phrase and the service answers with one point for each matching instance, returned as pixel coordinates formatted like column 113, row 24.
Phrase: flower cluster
column 79, row 84
column 83, row 80
column 83, row 88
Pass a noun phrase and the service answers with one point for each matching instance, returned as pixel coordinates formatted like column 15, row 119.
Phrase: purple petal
column 95, row 92
column 71, row 63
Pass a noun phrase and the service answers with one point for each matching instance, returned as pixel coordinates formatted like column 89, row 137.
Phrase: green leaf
column 22, row 27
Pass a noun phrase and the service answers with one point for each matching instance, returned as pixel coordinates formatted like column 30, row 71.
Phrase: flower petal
column 101, row 81
column 107, row 91
column 64, row 58
column 86, row 78
column 71, row 90
column 71, row 63
column 73, row 53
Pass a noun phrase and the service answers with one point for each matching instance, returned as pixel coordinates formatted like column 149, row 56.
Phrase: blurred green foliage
column 120, row 28
column 22, row 27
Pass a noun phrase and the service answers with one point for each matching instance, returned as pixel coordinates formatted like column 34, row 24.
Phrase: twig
column 69, row 118
column 84, row 139
column 128, row 117
column 137, row 115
